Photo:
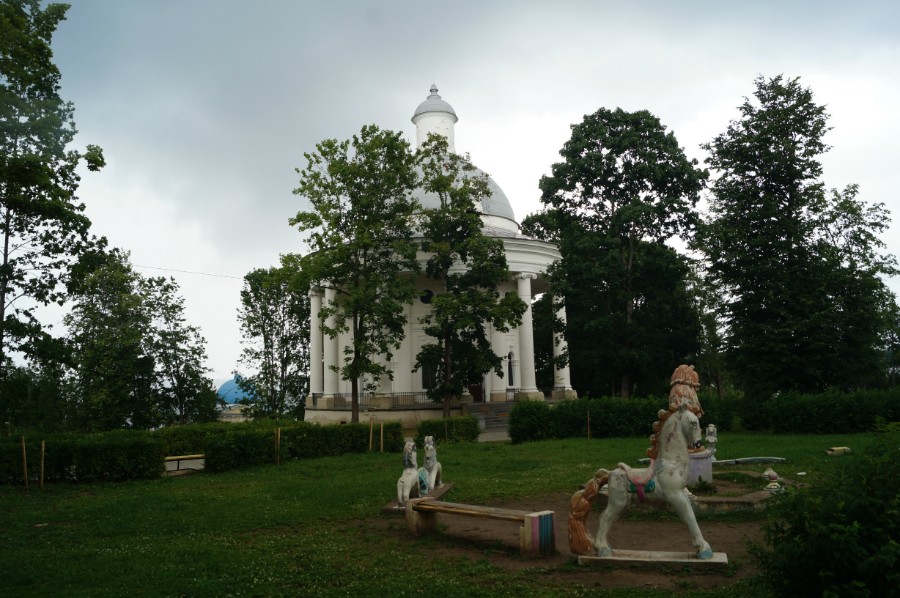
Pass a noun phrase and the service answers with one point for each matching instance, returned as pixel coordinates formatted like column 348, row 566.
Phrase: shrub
column 190, row 439
column 831, row 412
column 838, row 537
column 455, row 429
column 110, row 456
column 530, row 420
column 132, row 454
column 250, row 444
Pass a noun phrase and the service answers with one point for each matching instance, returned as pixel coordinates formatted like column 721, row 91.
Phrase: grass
column 313, row 527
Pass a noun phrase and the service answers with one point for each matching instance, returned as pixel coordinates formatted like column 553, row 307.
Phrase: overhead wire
column 190, row 272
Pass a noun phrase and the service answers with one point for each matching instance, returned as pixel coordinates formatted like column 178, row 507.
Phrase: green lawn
column 309, row 527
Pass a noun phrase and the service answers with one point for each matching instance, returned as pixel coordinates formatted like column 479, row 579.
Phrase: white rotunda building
column 528, row 261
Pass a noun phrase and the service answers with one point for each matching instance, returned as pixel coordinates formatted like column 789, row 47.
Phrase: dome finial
column 434, row 90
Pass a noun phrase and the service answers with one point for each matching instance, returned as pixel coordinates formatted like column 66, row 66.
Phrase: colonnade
column 325, row 353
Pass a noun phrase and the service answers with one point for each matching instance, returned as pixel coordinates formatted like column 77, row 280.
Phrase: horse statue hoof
column 605, row 551
column 705, row 555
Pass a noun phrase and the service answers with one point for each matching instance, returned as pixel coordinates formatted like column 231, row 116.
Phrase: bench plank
column 536, row 534
column 471, row 510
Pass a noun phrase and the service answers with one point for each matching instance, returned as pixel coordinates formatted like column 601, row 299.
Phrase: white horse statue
column 677, row 431
column 432, row 465
column 411, row 481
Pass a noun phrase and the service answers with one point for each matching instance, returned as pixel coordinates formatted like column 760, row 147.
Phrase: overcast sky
column 204, row 108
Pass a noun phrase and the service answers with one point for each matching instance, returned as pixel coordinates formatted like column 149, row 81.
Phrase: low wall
column 409, row 418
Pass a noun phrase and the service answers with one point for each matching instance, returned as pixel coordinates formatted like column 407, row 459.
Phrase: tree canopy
column 135, row 362
column 624, row 188
column 274, row 316
column 360, row 233
column 42, row 223
column 467, row 267
column 798, row 267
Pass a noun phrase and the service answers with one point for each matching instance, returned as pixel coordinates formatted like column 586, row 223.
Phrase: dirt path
column 498, row 541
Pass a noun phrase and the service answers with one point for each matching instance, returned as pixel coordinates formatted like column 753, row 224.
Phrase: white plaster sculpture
column 677, row 431
column 711, row 440
column 408, row 484
column 432, row 465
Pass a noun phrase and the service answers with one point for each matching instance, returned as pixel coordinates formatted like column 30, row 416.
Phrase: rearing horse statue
column 677, row 431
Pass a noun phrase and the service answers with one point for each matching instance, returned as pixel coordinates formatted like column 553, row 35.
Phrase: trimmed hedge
column 242, row 446
column 190, row 439
column 455, row 429
column 134, row 454
column 831, row 412
column 112, row 456
column 609, row 417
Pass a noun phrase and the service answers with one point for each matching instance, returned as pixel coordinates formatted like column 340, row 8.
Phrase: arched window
column 429, row 377
column 510, row 377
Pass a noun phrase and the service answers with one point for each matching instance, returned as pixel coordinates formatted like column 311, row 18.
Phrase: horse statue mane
column 676, row 432
column 683, row 387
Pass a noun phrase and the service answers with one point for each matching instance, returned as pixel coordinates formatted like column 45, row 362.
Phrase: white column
column 330, row 385
column 561, row 380
column 526, row 338
column 315, row 341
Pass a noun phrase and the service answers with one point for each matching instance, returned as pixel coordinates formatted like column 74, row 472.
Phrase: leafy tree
column 136, row 362
column 114, row 375
column 360, row 232
column 274, row 317
column 183, row 387
column 799, row 268
column 468, row 267
column 42, row 223
column 625, row 187
column 34, row 398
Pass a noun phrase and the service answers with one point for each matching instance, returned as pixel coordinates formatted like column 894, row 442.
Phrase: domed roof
column 495, row 204
column 231, row 393
column 434, row 103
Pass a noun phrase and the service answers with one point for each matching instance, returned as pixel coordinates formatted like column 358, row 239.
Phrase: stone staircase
column 494, row 415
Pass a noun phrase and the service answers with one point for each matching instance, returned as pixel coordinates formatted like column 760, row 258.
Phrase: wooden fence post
column 25, row 462
column 277, row 446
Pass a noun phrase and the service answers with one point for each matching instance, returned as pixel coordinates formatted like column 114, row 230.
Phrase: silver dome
column 495, row 204
column 434, row 103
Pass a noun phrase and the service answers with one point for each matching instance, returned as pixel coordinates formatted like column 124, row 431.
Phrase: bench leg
column 419, row 522
column 538, row 534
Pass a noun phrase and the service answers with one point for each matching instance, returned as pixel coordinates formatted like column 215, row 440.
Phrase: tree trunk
column 3, row 286
column 448, row 373
column 354, row 383
column 625, row 386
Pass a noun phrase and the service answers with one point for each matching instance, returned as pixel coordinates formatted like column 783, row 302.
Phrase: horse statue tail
column 580, row 541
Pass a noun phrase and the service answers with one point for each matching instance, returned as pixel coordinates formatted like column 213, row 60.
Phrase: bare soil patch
column 498, row 542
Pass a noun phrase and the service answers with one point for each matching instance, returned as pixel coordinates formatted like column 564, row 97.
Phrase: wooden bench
column 536, row 536
column 179, row 458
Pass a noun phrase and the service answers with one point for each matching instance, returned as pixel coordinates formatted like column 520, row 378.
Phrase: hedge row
column 537, row 420
column 606, row 417
column 240, row 447
column 133, row 454
column 827, row 413
column 455, row 429
column 111, row 456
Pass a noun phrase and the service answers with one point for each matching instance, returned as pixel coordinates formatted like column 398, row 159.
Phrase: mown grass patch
column 309, row 527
